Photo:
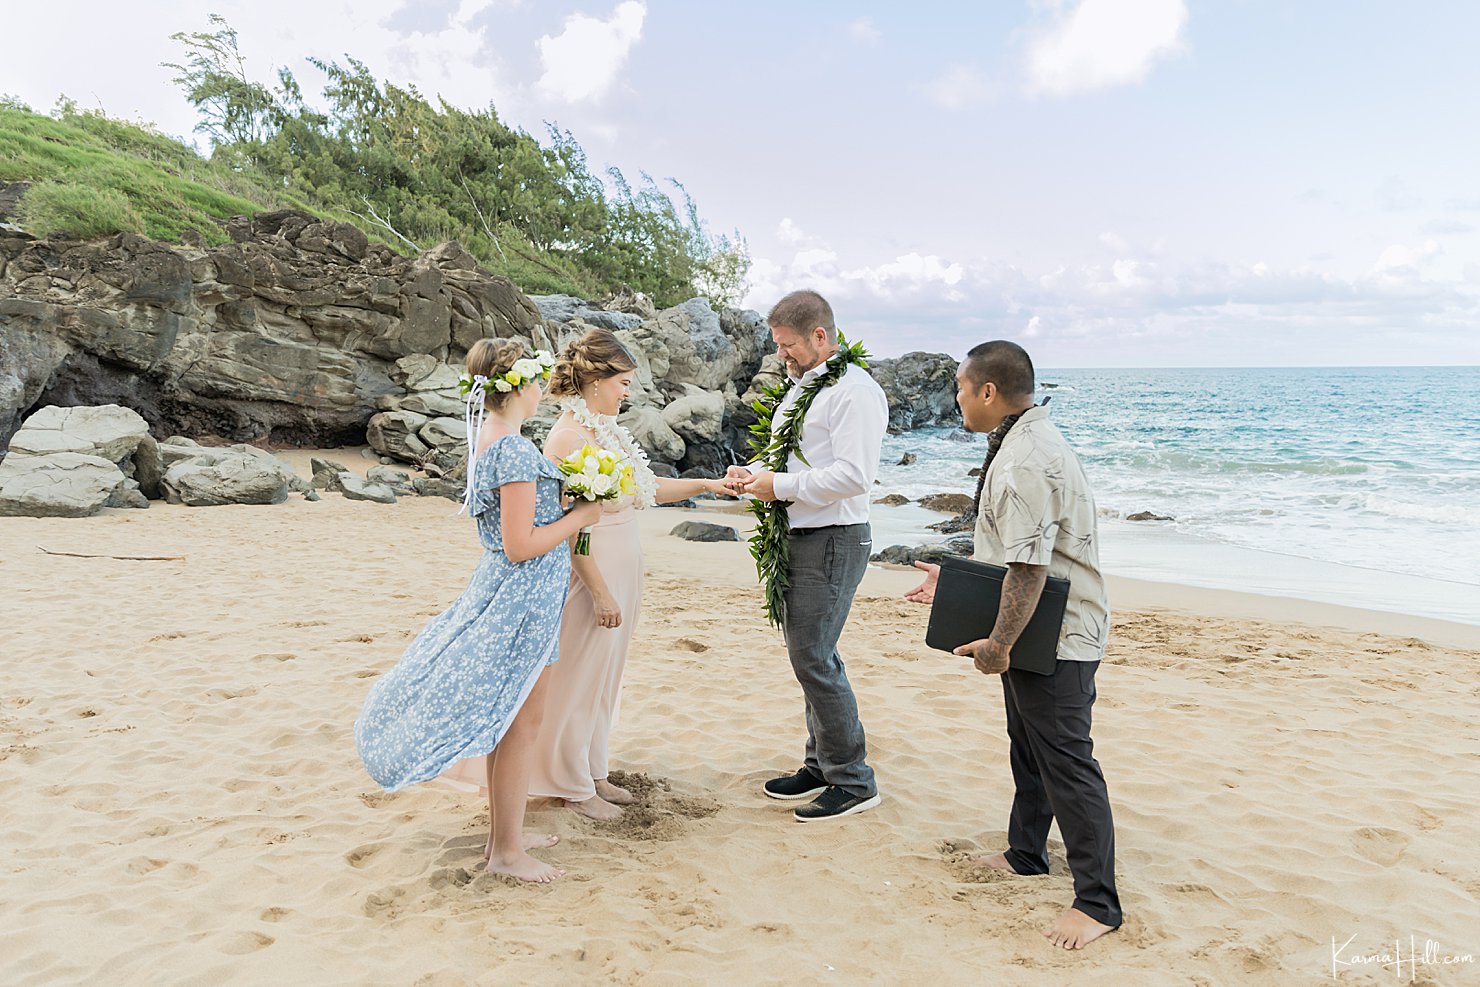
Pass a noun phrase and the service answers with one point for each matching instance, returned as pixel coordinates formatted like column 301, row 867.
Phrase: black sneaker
column 802, row 785
column 833, row 804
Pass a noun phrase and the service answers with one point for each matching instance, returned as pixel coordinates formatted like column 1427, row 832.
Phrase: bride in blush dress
column 592, row 378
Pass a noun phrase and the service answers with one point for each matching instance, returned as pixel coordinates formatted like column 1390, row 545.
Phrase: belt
column 826, row 527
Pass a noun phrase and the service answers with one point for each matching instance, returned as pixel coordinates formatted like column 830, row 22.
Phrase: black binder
column 967, row 596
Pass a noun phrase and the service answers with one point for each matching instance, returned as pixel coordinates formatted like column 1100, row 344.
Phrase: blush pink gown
column 584, row 690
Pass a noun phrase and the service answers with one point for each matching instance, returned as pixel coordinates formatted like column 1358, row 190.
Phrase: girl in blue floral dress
column 472, row 682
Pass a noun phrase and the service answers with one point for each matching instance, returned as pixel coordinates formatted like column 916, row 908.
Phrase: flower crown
column 522, row 372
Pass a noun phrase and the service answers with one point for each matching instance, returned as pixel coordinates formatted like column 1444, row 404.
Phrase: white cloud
column 582, row 61
column 864, row 32
column 1401, row 257
column 117, row 53
column 1135, row 311
column 959, row 87
column 1101, row 43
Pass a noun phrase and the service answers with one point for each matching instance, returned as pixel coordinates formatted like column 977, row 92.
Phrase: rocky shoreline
column 301, row 332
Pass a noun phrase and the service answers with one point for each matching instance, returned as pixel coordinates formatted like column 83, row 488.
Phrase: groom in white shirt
column 827, row 489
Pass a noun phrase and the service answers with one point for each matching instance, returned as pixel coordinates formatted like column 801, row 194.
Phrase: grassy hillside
column 94, row 176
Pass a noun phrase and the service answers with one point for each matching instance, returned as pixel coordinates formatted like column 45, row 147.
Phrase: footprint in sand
column 1380, row 845
column 240, row 943
column 688, row 644
column 360, row 856
column 275, row 656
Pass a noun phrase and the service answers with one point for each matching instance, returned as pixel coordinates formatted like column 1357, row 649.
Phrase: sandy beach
column 182, row 801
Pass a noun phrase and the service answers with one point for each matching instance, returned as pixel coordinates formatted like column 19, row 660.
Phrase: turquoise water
column 1374, row 469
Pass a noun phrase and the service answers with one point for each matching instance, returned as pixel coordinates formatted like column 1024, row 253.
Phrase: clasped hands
column 990, row 657
column 760, row 485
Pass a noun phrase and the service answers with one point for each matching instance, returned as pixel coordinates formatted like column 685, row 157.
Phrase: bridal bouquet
column 596, row 474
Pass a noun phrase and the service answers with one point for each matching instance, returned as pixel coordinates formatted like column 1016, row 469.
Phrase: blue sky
column 1109, row 182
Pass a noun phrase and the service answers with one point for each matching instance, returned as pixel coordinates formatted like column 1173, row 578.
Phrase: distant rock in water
column 1148, row 516
column 947, row 503
column 904, row 555
column 893, row 500
column 908, row 459
column 965, row 521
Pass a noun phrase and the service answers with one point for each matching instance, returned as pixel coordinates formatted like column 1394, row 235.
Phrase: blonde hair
column 493, row 358
column 597, row 355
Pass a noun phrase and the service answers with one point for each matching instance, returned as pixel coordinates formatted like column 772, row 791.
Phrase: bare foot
column 997, row 861
column 524, row 867
column 529, row 841
column 1075, row 930
column 596, row 808
column 613, row 794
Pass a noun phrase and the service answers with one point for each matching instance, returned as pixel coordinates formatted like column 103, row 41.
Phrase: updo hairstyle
column 597, row 355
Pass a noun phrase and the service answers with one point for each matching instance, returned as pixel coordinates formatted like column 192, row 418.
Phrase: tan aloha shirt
column 1037, row 508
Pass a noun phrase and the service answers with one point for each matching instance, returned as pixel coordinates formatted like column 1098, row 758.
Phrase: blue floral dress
column 457, row 688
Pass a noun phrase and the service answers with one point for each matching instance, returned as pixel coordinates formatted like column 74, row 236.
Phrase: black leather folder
column 967, row 596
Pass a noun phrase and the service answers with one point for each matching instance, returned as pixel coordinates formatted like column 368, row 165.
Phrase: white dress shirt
column 842, row 436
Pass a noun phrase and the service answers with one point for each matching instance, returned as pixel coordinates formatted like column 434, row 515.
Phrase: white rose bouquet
column 596, row 474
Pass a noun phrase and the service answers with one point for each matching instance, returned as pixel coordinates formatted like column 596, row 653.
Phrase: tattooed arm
column 1020, row 592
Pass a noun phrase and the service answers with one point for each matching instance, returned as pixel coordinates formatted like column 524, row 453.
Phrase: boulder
column 965, row 521
column 356, row 488
column 704, row 531
column 62, row 484
column 568, row 308
column 893, row 500
column 908, row 459
column 443, row 434
column 394, row 434
column 947, row 503
column 921, row 388
column 398, row 480
column 427, row 486
column 933, row 554
column 109, row 432
column 433, row 404
column 1148, row 516
column 698, row 416
column 327, row 479
column 658, row 440
column 227, row 476
column 317, row 465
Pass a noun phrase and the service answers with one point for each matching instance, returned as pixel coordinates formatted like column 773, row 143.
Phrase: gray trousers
column 827, row 565
column 1056, row 776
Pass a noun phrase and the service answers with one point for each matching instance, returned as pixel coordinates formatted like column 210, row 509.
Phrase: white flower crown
column 522, row 372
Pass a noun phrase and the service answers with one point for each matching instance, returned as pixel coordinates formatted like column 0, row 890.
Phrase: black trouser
column 1057, row 776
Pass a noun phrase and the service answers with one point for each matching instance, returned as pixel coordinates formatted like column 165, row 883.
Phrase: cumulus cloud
column 959, row 87
column 1129, row 310
column 1101, row 43
column 864, row 32
column 581, row 63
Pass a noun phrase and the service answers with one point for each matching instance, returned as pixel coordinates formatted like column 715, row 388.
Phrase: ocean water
column 1356, row 485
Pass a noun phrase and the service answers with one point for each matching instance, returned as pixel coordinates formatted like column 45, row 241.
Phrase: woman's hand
column 588, row 512
column 608, row 613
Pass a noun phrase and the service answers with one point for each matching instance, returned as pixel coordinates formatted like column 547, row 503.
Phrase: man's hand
column 762, row 486
column 925, row 592
column 989, row 657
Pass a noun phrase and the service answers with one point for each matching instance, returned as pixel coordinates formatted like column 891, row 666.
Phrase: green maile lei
column 769, row 544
